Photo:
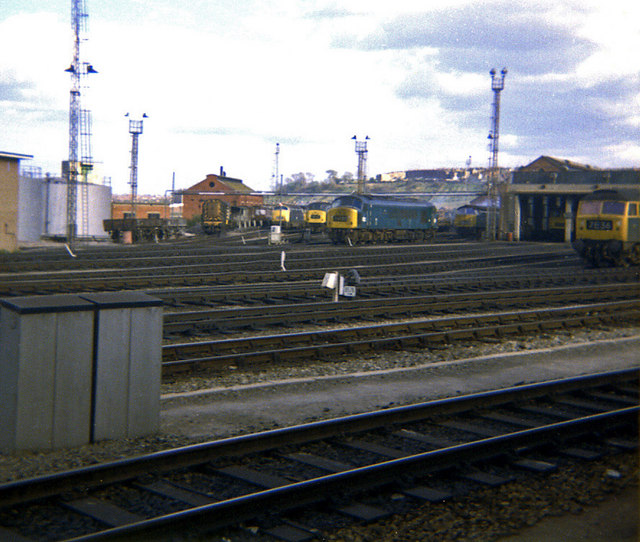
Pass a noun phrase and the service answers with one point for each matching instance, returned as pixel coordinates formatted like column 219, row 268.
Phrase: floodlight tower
column 276, row 173
column 78, row 70
column 135, row 129
column 361, row 151
column 497, row 85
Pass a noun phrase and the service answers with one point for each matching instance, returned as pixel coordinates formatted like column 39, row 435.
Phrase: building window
column 153, row 215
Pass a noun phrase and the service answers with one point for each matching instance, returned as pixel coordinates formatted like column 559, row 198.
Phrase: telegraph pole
column 497, row 85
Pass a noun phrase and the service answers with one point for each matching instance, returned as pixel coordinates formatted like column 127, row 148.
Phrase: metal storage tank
column 42, row 209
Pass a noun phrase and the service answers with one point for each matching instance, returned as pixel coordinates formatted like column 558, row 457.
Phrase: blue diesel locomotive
column 360, row 218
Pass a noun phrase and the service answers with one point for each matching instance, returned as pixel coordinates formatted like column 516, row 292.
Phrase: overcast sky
column 223, row 81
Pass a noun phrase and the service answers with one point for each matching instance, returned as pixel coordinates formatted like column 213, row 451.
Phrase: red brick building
column 227, row 189
column 143, row 210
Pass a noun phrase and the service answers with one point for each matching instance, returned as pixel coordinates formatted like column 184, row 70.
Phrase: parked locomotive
column 608, row 228
column 288, row 216
column 360, row 218
column 216, row 216
column 315, row 215
column 470, row 221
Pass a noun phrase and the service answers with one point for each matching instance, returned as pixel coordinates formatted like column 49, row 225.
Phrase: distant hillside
column 320, row 192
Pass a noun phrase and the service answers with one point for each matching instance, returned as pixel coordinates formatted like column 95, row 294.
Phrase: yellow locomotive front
column 342, row 219
column 607, row 229
column 462, row 221
column 465, row 221
column 601, row 220
column 280, row 214
column 315, row 215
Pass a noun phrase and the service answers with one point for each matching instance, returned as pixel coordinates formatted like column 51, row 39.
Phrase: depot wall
column 9, row 175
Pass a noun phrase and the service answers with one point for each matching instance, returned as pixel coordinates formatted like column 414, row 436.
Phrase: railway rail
column 202, row 275
column 325, row 344
column 482, row 280
column 341, row 467
column 243, row 272
column 110, row 257
column 226, row 320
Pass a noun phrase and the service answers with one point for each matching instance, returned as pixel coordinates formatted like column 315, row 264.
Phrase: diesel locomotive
column 315, row 215
column 360, row 218
column 216, row 216
column 608, row 228
column 470, row 221
column 287, row 216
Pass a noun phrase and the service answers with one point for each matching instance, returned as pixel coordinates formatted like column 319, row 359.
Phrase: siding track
column 418, row 450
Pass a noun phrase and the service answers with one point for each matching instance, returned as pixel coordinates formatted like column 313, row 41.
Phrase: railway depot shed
column 542, row 199
column 232, row 191
column 9, row 189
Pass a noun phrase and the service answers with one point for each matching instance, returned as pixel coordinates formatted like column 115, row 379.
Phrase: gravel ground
column 489, row 515
column 498, row 513
column 392, row 359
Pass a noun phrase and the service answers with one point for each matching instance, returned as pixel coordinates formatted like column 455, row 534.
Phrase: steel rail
column 93, row 476
column 388, row 307
column 237, row 264
column 272, row 293
column 298, row 494
column 111, row 256
column 175, row 276
column 421, row 333
column 297, row 255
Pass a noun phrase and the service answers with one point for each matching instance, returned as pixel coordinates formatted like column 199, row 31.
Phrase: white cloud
column 223, row 82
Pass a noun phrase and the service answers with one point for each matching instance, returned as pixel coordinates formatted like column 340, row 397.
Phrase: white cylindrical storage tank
column 99, row 209
column 42, row 209
column 30, row 209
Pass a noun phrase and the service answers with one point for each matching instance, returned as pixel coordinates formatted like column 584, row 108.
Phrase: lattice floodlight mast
column 497, row 85
column 361, row 151
column 78, row 70
column 135, row 129
column 276, row 170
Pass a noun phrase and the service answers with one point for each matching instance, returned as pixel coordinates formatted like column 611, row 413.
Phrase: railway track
column 122, row 257
column 483, row 280
column 247, row 272
column 331, row 344
column 302, row 480
column 259, row 317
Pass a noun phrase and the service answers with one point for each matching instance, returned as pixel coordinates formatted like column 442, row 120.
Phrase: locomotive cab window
column 347, row 201
column 633, row 209
column 590, row 207
column 613, row 207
